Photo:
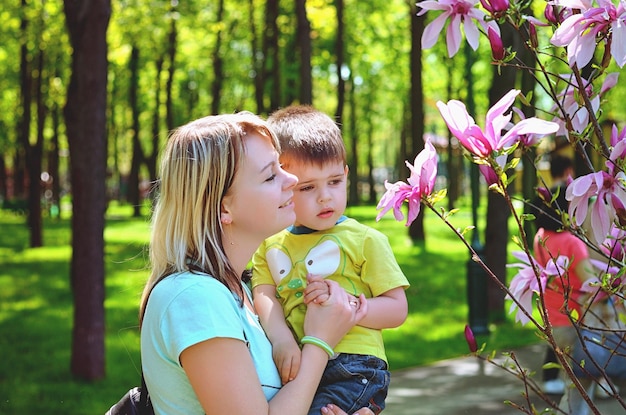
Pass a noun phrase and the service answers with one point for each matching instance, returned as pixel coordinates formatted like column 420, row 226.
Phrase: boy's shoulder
column 353, row 225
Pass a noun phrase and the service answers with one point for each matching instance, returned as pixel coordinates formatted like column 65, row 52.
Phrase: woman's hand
column 335, row 410
column 333, row 318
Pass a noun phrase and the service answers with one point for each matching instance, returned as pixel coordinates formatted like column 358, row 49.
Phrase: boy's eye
column 306, row 188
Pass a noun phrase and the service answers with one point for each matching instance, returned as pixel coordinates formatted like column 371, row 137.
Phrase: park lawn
column 36, row 309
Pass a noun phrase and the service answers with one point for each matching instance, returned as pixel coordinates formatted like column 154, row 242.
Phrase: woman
column 222, row 192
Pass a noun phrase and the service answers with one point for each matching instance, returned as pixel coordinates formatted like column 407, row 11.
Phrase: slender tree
column 258, row 60
column 303, row 35
column 23, row 125
column 151, row 157
column 218, row 61
column 496, row 229
column 172, row 43
column 34, row 158
column 416, row 230
column 271, row 67
column 138, row 155
column 85, row 119
column 341, row 83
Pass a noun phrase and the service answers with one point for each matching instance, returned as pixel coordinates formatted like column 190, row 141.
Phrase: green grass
column 36, row 309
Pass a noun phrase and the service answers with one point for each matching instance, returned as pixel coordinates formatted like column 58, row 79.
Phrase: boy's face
column 320, row 196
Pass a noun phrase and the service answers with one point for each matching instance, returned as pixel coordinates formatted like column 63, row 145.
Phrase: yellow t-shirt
column 356, row 256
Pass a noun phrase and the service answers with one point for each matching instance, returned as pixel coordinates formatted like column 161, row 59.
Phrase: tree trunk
column 369, row 136
column 53, row 164
column 3, row 179
column 416, row 230
column 218, row 62
column 34, row 158
column 151, row 158
column 341, row 84
column 134, row 196
column 353, row 193
column 85, row 118
column 171, row 51
column 498, row 213
column 304, row 45
column 258, row 60
column 454, row 162
column 23, row 124
column 271, row 64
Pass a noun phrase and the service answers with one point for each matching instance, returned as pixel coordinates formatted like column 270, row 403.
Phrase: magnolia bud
column 551, row 15
column 532, row 36
column 497, row 48
column 471, row 340
column 495, row 7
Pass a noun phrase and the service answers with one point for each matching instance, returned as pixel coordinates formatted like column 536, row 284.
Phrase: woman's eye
column 271, row 178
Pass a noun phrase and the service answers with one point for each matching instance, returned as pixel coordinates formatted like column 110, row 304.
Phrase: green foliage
column 36, row 309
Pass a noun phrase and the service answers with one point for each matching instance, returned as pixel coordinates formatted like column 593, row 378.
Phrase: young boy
column 325, row 243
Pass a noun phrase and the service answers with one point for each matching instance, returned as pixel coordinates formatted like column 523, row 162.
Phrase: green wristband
column 319, row 343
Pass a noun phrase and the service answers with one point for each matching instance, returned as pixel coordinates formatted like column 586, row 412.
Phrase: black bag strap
column 145, row 405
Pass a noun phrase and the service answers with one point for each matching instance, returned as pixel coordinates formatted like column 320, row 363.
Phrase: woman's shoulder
column 188, row 283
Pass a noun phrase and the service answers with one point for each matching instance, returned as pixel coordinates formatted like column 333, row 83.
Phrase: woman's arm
column 223, row 376
column 285, row 349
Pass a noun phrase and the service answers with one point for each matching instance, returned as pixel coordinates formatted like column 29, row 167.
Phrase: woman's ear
column 225, row 216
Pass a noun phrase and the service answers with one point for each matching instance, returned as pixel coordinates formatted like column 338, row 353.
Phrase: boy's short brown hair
column 307, row 135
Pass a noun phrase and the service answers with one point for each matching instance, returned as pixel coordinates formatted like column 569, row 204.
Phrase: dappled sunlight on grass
column 36, row 310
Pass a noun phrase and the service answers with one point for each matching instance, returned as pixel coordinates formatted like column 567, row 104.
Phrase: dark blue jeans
column 351, row 382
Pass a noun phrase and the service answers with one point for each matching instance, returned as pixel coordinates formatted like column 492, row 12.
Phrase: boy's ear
column 347, row 169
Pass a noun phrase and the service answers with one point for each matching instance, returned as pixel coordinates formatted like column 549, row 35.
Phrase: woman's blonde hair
column 198, row 166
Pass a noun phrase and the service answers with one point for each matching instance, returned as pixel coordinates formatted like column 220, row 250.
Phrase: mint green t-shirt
column 185, row 309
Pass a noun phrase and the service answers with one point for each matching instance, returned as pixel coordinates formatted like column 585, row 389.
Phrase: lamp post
column 477, row 300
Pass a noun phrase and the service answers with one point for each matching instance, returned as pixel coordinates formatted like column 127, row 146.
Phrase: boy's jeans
column 351, row 382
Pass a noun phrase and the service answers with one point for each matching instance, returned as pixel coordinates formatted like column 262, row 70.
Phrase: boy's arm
column 285, row 350
column 387, row 310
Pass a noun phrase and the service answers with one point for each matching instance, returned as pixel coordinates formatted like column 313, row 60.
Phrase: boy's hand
column 316, row 290
column 286, row 355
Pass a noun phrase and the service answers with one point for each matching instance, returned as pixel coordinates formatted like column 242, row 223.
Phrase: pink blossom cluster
column 581, row 27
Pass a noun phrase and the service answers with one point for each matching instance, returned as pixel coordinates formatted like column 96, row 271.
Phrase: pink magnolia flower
column 609, row 193
column 615, row 244
column 593, row 284
column 459, row 11
column 573, row 106
column 421, row 183
column 525, row 283
column 483, row 143
column 579, row 32
column 555, row 14
column 618, row 151
column 606, row 189
column 489, row 173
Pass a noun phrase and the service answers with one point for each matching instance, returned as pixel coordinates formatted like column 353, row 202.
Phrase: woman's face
column 259, row 201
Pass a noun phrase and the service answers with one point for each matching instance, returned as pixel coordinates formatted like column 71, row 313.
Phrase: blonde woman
column 222, row 191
